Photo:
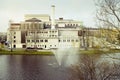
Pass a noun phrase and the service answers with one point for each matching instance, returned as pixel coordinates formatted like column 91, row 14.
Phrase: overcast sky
column 83, row 10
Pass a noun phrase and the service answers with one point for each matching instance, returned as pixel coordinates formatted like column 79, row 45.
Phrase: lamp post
column 10, row 21
column 11, row 40
column 84, row 37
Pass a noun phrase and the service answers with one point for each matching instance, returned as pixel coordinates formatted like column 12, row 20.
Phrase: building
column 42, row 31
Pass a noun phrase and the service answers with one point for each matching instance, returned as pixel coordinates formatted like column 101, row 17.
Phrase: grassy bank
column 48, row 52
column 99, row 51
column 24, row 52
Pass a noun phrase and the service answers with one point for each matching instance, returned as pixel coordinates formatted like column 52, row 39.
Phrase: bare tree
column 108, row 14
column 91, row 68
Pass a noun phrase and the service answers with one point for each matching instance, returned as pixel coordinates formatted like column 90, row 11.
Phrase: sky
column 82, row 10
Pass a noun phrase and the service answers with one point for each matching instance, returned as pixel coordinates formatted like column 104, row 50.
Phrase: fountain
column 66, row 56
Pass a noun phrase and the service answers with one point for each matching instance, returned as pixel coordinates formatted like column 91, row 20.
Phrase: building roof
column 15, row 24
column 33, row 20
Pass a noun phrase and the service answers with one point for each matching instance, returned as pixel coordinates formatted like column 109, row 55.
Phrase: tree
column 108, row 14
column 91, row 67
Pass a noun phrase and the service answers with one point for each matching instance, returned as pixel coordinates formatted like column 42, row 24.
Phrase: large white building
column 43, row 31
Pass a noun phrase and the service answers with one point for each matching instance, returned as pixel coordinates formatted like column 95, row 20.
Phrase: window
column 68, row 40
column 45, row 32
column 52, row 31
column 55, row 35
column 72, row 40
column 14, row 32
column 23, row 46
column 27, row 26
column 59, row 40
column 39, row 26
column 14, row 36
column 33, row 41
column 38, row 32
column 76, row 40
column 14, row 41
column 41, row 40
column 64, row 40
column 28, row 40
column 14, row 46
column 46, row 40
column 37, row 40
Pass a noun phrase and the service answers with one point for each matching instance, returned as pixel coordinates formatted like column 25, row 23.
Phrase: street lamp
column 11, row 40
column 10, row 21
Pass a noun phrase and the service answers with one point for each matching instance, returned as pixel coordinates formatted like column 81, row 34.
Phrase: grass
column 91, row 51
column 24, row 52
column 98, row 51
column 43, row 52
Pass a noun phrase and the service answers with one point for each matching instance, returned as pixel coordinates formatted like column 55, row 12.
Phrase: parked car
column 30, row 48
column 39, row 48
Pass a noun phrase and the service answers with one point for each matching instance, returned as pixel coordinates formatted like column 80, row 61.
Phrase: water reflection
column 111, row 58
column 3, row 67
column 36, row 67
column 31, row 67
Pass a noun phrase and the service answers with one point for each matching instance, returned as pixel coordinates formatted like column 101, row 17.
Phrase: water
column 111, row 58
column 37, row 67
column 66, row 56
column 31, row 67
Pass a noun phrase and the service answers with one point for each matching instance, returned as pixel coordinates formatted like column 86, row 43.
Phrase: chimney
column 53, row 17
